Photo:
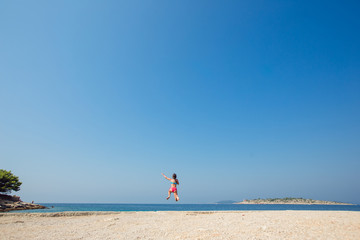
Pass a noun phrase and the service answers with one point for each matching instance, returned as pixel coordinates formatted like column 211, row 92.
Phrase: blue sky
column 242, row 99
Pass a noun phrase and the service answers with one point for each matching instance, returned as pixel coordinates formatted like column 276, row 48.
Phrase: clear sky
column 242, row 99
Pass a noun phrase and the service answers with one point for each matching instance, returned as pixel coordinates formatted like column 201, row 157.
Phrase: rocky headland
column 11, row 203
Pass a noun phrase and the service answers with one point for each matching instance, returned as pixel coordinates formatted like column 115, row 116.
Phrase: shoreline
column 61, row 208
column 101, row 213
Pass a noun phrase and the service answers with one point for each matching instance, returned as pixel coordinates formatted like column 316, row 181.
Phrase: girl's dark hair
column 174, row 176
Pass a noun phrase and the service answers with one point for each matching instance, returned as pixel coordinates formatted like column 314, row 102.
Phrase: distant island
column 289, row 200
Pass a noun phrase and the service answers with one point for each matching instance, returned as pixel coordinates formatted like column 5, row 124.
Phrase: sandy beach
column 182, row 225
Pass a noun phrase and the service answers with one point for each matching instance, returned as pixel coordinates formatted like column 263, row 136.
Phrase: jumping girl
column 173, row 188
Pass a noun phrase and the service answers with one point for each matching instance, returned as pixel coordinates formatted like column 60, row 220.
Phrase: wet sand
column 182, row 225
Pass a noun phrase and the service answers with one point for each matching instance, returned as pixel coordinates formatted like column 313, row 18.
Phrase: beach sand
column 181, row 225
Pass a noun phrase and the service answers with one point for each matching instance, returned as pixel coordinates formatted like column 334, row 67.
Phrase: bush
column 8, row 182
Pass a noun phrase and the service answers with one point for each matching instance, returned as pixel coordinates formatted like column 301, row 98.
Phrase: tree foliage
column 8, row 182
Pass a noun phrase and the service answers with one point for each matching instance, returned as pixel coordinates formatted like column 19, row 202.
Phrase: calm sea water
column 63, row 207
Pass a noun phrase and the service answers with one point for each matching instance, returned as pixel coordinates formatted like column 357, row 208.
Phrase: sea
column 64, row 207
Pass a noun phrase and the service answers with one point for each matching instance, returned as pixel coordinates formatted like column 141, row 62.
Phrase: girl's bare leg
column 176, row 196
column 168, row 195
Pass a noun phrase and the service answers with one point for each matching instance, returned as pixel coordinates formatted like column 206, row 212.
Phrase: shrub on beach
column 8, row 182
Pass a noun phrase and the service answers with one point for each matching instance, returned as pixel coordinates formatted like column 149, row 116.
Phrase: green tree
column 8, row 182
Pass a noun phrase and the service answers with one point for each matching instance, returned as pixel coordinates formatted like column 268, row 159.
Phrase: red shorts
column 173, row 189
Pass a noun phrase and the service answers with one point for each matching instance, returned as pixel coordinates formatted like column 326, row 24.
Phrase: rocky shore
column 11, row 203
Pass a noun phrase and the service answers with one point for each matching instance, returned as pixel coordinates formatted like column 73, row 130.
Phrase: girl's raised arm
column 165, row 176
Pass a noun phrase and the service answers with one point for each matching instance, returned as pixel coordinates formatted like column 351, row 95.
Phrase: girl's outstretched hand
column 165, row 176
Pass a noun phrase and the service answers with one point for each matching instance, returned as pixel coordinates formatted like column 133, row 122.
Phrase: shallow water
column 63, row 207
